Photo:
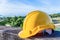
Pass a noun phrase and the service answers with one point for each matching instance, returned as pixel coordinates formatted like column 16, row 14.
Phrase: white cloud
column 50, row 6
column 10, row 9
column 7, row 8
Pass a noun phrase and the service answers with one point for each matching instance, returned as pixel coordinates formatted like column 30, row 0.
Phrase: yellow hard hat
column 34, row 22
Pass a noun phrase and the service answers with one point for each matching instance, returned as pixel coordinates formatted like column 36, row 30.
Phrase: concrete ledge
column 11, row 34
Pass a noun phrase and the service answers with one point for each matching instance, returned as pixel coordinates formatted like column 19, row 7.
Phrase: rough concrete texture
column 11, row 34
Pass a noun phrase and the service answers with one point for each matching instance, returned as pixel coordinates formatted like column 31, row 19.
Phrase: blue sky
column 22, row 7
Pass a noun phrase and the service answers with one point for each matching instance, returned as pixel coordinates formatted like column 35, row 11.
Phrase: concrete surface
column 9, row 33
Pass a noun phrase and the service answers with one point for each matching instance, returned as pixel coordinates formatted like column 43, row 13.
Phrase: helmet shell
column 34, row 22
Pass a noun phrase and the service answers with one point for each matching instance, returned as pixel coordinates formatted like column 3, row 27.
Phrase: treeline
column 55, row 15
column 17, row 21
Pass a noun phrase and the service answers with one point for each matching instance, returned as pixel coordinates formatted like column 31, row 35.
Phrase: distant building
column 56, row 20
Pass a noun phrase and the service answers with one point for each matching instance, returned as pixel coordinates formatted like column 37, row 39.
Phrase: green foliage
column 13, row 21
column 17, row 21
column 55, row 15
column 55, row 18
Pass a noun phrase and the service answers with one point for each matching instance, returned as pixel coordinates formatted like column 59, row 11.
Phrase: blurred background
column 13, row 12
